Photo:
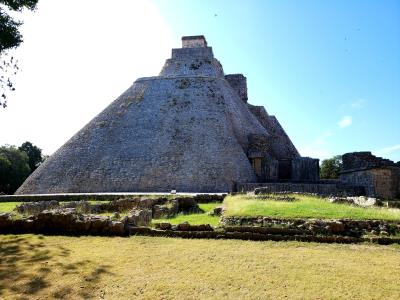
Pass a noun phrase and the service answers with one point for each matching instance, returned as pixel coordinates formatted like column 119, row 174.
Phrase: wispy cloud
column 318, row 148
column 356, row 104
column 359, row 103
column 345, row 122
column 388, row 150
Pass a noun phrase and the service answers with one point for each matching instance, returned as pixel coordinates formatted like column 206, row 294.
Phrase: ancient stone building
column 189, row 129
column 379, row 177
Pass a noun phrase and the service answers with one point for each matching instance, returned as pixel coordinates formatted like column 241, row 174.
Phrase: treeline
column 16, row 164
column 330, row 168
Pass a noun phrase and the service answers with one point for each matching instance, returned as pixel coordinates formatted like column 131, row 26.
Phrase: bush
column 330, row 168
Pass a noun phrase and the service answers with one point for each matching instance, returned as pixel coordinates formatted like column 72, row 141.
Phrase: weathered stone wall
column 355, row 228
column 378, row 182
column 324, row 189
column 258, row 145
column 56, row 222
column 280, row 146
column 192, row 62
column 387, row 182
column 305, row 169
column 199, row 198
column 321, row 189
column 63, row 197
column 364, row 160
column 270, row 168
column 285, row 169
column 380, row 177
column 325, row 231
column 239, row 83
column 185, row 130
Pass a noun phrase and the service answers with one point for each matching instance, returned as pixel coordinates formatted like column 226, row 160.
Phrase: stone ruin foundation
column 379, row 177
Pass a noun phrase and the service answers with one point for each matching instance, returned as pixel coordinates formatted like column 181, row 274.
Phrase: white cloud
column 318, row 148
column 345, row 122
column 388, row 150
column 354, row 105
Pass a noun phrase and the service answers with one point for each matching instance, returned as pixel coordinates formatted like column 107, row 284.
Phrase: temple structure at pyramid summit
column 188, row 129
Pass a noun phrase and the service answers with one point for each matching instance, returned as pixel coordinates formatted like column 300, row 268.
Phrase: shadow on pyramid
column 189, row 129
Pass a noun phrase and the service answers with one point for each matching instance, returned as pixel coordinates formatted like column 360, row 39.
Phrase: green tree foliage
column 34, row 155
column 10, row 37
column 14, row 168
column 331, row 167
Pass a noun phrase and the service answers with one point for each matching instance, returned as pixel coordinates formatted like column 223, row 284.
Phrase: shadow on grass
column 28, row 266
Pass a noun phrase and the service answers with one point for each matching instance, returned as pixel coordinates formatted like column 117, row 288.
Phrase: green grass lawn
column 59, row 267
column 8, row 206
column 304, row 207
column 195, row 219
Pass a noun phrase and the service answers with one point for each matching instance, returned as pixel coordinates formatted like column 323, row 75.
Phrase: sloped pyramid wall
column 186, row 129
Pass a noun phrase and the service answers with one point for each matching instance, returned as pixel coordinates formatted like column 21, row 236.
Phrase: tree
column 330, row 168
column 14, row 168
column 10, row 37
column 34, row 155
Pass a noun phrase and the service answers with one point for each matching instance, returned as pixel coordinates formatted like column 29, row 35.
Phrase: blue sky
column 328, row 70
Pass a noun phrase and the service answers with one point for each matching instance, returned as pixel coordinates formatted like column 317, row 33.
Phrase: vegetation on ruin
column 303, row 207
column 35, row 266
column 196, row 218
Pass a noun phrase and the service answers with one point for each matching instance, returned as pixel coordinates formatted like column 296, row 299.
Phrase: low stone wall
column 159, row 207
column 85, row 207
column 323, row 188
column 259, row 236
column 207, row 198
column 62, row 197
column 342, row 227
column 199, row 198
column 62, row 223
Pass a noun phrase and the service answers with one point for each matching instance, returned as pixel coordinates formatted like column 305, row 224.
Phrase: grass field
column 8, row 206
column 304, row 207
column 195, row 219
column 43, row 267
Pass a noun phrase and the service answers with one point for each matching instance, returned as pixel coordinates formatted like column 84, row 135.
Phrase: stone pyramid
column 188, row 129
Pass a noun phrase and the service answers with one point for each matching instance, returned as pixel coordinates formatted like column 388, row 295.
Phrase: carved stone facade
column 305, row 169
column 379, row 177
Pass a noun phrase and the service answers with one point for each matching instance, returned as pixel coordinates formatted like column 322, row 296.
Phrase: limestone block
column 140, row 217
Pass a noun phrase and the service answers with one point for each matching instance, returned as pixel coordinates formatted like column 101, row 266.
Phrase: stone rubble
column 359, row 201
